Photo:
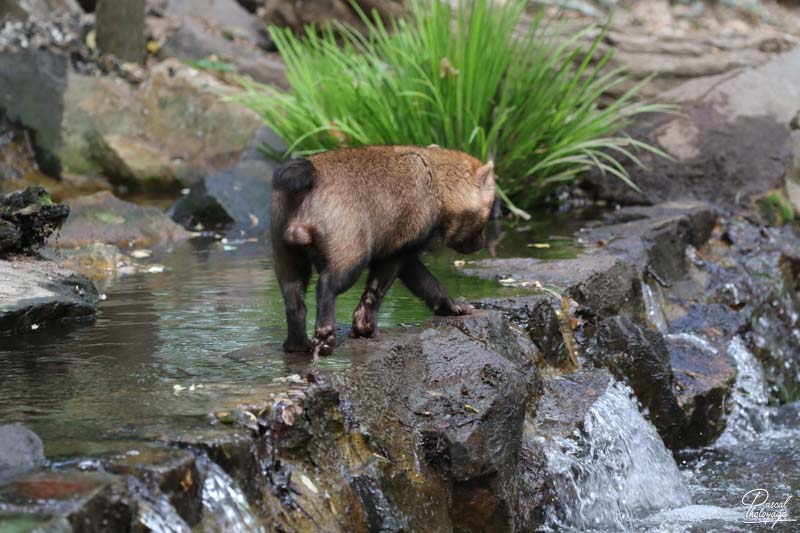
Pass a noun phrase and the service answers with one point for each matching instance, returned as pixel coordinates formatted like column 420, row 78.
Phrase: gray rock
column 237, row 200
column 20, row 450
column 730, row 144
column 35, row 293
column 26, row 9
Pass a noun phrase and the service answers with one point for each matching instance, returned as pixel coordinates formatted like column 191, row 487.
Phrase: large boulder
column 165, row 134
column 35, row 293
column 730, row 143
column 104, row 218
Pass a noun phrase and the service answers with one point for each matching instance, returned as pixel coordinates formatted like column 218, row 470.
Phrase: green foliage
column 776, row 208
column 460, row 78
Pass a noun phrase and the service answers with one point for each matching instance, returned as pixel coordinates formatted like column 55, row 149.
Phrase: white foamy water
column 615, row 471
column 225, row 507
column 750, row 414
column 156, row 511
column 653, row 309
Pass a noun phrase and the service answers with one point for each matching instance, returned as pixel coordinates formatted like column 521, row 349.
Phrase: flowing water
column 615, row 471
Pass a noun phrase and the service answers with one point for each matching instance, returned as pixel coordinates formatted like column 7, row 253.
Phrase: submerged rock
column 27, row 219
column 20, row 450
column 36, row 293
column 104, row 218
column 88, row 501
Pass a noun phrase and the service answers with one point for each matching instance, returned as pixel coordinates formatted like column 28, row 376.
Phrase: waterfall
column 225, row 507
column 614, row 471
column 750, row 414
column 155, row 510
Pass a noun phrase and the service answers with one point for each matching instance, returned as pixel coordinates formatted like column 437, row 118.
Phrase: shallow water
column 130, row 374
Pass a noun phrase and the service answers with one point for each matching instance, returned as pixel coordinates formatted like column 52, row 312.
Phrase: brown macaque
column 376, row 207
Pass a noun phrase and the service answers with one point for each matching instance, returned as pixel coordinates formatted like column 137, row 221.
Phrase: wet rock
column 237, row 200
column 169, row 472
column 466, row 405
column 227, row 16
column 27, row 219
column 601, row 282
column 704, row 379
column 639, row 357
column 20, row 450
column 104, row 218
column 234, row 451
column 787, row 416
column 89, row 501
column 730, row 144
column 37, row 293
column 518, row 310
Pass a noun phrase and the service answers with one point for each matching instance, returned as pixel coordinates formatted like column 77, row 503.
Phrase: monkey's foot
column 323, row 341
column 364, row 323
column 453, row 308
column 294, row 345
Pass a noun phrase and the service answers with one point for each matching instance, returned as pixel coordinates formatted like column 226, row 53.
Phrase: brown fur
column 375, row 206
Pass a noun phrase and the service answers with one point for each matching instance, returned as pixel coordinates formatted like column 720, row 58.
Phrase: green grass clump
column 462, row 78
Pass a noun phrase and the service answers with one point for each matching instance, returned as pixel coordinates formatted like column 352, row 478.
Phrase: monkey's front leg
column 419, row 280
column 381, row 277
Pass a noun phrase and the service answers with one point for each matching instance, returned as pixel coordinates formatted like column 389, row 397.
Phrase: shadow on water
column 168, row 348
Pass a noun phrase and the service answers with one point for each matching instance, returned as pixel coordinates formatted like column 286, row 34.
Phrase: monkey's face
column 469, row 233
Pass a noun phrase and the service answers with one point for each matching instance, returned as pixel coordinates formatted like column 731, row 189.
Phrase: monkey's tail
column 295, row 176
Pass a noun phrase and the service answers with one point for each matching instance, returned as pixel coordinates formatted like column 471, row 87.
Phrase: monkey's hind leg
column 381, row 277
column 331, row 283
column 293, row 270
column 419, row 280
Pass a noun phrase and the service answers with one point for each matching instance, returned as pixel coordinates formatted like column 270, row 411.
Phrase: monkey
column 375, row 207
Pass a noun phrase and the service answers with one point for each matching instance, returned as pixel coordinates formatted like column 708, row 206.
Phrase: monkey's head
column 467, row 226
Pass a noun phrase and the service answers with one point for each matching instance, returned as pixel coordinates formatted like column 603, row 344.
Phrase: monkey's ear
column 432, row 146
column 485, row 173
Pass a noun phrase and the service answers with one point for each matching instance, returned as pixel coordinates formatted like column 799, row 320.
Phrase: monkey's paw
column 454, row 308
column 323, row 341
column 363, row 323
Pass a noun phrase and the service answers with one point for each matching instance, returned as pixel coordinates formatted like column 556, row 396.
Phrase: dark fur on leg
column 381, row 277
column 419, row 280
column 293, row 271
column 329, row 285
